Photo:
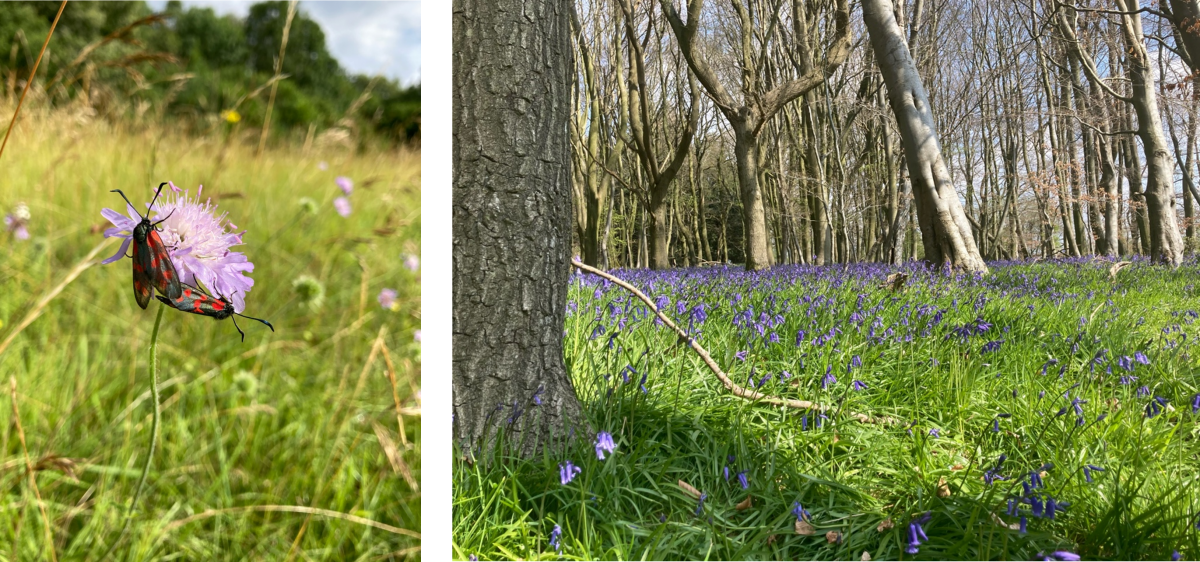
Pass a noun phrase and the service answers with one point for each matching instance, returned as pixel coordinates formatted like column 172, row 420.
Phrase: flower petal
column 120, row 252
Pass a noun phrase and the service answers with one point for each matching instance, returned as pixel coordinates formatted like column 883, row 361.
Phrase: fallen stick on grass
column 712, row 365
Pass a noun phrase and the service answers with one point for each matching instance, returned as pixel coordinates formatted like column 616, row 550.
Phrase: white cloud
column 365, row 37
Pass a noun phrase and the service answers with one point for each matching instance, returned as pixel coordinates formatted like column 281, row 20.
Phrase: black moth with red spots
column 196, row 301
column 152, row 267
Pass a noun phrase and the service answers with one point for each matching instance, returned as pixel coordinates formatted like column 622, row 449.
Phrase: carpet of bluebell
column 1040, row 411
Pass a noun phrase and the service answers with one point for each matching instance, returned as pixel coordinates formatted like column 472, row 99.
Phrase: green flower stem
column 153, row 430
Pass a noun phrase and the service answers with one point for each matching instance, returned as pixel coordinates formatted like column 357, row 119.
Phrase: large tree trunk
column 512, row 214
column 945, row 231
column 754, row 216
column 1166, row 246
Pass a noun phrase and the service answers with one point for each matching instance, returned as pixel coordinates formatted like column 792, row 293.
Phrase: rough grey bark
column 512, row 219
column 945, row 231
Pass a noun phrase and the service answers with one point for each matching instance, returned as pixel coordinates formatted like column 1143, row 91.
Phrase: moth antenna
column 164, row 218
column 156, row 193
column 127, row 201
column 259, row 319
column 239, row 328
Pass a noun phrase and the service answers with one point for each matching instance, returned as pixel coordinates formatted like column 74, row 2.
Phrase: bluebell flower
column 1087, row 471
column 604, row 443
column 1155, row 406
column 829, row 378
column 741, row 476
column 991, row 346
column 1036, row 506
column 799, row 511
column 916, row 533
column 556, row 538
column 1101, row 417
column 1143, row 391
column 567, row 472
column 1141, row 358
column 1196, row 403
column 1127, row 379
column 741, row 355
column 859, row 385
column 1125, row 362
column 1024, row 523
column 935, row 432
column 1176, row 556
column 995, row 425
column 473, row 558
column 1051, row 507
column 1060, row 555
column 1012, row 507
column 700, row 504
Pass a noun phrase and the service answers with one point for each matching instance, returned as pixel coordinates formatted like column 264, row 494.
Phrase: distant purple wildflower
column 700, row 504
column 387, row 298
column 1141, row 358
column 935, row 432
column 1087, row 471
column 741, row 476
column 741, row 355
column 604, row 443
column 17, row 221
column 342, row 206
column 1060, row 555
column 345, row 183
column 567, row 472
column 412, row 262
column 556, row 538
column 858, row 385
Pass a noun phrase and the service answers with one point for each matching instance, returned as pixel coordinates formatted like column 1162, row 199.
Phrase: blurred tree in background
column 191, row 65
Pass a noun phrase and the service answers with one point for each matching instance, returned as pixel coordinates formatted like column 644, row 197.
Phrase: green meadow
column 298, row 444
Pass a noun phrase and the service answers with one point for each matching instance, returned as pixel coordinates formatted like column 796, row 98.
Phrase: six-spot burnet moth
column 196, row 301
column 152, row 267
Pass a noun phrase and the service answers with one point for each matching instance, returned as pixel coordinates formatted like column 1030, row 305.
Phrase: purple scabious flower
column 342, row 206
column 199, row 242
column 567, row 472
column 604, row 443
column 17, row 221
column 387, row 299
column 556, row 538
column 412, row 262
column 345, row 183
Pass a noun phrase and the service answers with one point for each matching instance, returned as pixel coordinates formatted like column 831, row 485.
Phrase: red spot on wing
column 218, row 305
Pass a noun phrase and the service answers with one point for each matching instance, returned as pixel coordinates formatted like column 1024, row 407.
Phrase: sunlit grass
column 302, row 419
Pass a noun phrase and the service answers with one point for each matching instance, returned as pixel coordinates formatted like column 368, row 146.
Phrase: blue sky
column 365, row 37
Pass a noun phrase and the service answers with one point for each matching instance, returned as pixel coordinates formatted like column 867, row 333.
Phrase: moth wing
column 141, row 279
column 162, row 271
